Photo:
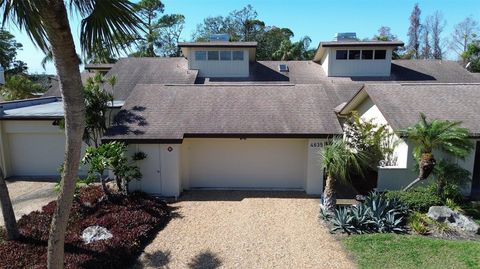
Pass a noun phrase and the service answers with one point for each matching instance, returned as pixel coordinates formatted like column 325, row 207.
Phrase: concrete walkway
column 222, row 229
column 28, row 196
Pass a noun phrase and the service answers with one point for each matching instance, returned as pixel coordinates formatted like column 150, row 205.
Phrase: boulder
column 454, row 219
column 95, row 233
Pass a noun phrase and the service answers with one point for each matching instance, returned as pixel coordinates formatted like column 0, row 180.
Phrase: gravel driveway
column 28, row 196
column 225, row 229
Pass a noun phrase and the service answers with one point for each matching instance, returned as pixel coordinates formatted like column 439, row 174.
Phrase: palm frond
column 26, row 16
column 339, row 160
column 105, row 22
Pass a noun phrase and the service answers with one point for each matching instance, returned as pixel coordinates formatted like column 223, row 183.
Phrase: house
column 398, row 106
column 219, row 119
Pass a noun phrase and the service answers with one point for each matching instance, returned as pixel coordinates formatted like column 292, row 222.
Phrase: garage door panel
column 251, row 163
column 34, row 154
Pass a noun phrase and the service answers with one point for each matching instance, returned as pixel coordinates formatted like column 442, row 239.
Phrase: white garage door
column 246, row 164
column 36, row 154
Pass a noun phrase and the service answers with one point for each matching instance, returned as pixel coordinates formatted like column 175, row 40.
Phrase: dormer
column 219, row 58
column 348, row 57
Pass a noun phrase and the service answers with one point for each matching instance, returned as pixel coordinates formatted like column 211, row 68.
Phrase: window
column 380, row 54
column 200, row 55
column 342, row 54
column 237, row 55
column 367, row 54
column 213, row 55
column 354, row 54
column 225, row 55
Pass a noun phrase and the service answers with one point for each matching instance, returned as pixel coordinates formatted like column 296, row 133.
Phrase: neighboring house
column 219, row 119
column 399, row 106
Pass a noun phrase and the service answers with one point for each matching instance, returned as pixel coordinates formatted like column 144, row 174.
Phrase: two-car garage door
column 244, row 164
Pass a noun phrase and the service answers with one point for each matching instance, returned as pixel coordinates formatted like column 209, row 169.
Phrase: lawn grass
column 407, row 251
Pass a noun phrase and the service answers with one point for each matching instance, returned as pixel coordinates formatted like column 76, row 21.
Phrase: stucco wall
column 399, row 176
column 352, row 68
column 219, row 68
column 32, row 148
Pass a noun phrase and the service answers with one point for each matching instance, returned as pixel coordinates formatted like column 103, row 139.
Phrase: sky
column 319, row 20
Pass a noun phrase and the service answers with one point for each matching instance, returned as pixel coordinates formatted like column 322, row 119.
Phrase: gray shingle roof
column 132, row 71
column 402, row 104
column 54, row 90
column 172, row 112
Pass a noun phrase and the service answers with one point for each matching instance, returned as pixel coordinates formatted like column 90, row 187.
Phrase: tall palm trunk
column 329, row 194
column 58, row 31
column 7, row 210
column 426, row 164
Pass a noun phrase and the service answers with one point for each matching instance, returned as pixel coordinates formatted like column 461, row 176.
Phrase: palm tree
column 338, row 160
column 441, row 135
column 47, row 24
column 7, row 210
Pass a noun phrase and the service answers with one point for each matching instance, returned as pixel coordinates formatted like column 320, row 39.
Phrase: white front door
column 151, row 181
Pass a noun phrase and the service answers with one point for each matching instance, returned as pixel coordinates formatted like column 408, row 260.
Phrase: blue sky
column 317, row 19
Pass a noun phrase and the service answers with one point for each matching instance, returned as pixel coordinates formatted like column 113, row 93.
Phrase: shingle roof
column 402, row 104
column 172, row 112
column 54, row 89
column 132, row 71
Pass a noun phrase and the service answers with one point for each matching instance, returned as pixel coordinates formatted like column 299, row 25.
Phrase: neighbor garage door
column 245, row 164
column 33, row 148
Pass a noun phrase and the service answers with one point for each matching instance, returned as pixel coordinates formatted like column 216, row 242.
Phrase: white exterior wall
column 352, row 68
column 160, row 170
column 325, row 62
column 399, row 176
column 274, row 164
column 314, row 169
column 219, row 68
column 32, row 148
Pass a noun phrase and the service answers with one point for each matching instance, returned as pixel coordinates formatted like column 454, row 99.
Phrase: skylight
column 283, row 68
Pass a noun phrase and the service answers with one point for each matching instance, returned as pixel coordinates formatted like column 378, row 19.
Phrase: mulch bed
column 133, row 222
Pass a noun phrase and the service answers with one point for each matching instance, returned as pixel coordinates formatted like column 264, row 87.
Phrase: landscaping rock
column 454, row 219
column 95, row 233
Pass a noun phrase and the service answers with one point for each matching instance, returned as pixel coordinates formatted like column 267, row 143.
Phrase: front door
column 151, row 181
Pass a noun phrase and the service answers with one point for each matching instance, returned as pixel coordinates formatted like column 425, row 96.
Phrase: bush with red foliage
column 133, row 221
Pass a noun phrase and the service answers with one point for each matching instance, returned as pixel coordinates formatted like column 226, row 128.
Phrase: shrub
column 133, row 221
column 376, row 214
column 418, row 223
column 418, row 199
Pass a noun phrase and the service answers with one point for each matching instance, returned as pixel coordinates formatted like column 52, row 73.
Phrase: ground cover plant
column 133, row 220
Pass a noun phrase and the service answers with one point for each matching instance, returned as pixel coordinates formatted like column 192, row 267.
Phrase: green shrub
column 418, row 223
column 418, row 199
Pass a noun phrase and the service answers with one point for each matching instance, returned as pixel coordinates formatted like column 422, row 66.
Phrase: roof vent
column 219, row 38
column 2, row 76
column 283, row 68
column 345, row 37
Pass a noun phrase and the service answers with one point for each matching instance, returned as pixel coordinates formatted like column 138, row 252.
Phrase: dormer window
column 219, row 58
column 342, row 54
column 200, row 55
column 225, row 55
column 367, row 54
column 213, row 55
column 238, row 55
column 380, row 54
column 354, row 54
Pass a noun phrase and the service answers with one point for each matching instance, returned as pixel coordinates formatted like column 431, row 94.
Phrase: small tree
column 97, row 102
column 442, row 135
column 19, row 87
column 111, row 156
column 337, row 160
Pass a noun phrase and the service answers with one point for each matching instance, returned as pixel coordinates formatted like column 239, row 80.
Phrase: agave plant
column 342, row 220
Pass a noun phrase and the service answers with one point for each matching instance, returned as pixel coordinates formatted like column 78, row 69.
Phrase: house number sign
column 316, row 144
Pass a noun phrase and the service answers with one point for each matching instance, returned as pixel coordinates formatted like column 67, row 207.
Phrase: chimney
column 2, row 76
